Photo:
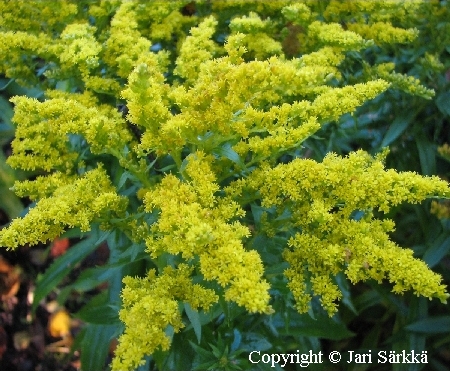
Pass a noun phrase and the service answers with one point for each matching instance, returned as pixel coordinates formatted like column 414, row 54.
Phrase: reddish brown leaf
column 59, row 247
column 9, row 280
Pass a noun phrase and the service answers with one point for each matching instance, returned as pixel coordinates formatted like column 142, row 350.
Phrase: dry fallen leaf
column 113, row 345
column 9, row 280
column 59, row 247
column 59, row 324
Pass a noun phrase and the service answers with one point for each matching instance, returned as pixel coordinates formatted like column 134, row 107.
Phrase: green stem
column 131, row 167
column 176, row 155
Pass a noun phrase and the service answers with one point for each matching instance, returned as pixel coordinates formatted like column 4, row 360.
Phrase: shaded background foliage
column 370, row 317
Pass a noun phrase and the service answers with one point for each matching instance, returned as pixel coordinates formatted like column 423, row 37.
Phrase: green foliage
column 211, row 145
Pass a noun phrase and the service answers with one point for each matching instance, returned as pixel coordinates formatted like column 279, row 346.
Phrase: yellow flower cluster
column 264, row 7
column 42, row 129
column 432, row 62
column 383, row 32
column 195, row 223
column 256, row 40
column 79, row 49
column 125, row 43
column 322, row 198
column 399, row 81
column 333, row 34
column 36, row 16
column 17, row 47
column 150, row 304
column 227, row 95
column 221, row 91
column 442, row 208
column 373, row 11
column 162, row 20
column 147, row 99
column 76, row 203
column 196, row 49
column 42, row 186
column 299, row 14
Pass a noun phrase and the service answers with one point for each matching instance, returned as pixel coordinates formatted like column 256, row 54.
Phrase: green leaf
column 6, row 112
column 126, row 175
column 210, row 315
column 63, row 85
column 194, row 318
column 323, row 327
column 206, row 366
column 398, row 126
column 6, row 133
column 237, row 340
column 13, row 88
column 277, row 269
column 91, row 278
column 133, row 253
column 4, row 83
column 344, row 286
column 9, row 202
column 443, row 103
column 95, row 343
column 427, row 155
column 254, row 340
column 431, row 325
column 165, row 169
column 99, row 311
column 226, row 151
column 73, row 233
column 64, row 264
column 218, row 353
column 438, row 250
column 257, row 212
column 202, row 352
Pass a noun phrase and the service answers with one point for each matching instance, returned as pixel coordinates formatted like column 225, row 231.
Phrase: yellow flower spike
column 154, row 299
column 23, row 15
column 145, row 95
column 73, row 204
column 383, row 32
column 197, row 48
column 334, row 35
column 80, row 47
column 335, row 102
column 103, row 128
column 297, row 13
column 361, row 248
column 194, row 222
column 256, row 40
column 42, row 186
column 234, row 47
column 161, row 20
column 19, row 46
column 125, row 44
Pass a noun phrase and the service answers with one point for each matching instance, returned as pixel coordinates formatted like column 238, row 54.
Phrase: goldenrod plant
column 176, row 131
